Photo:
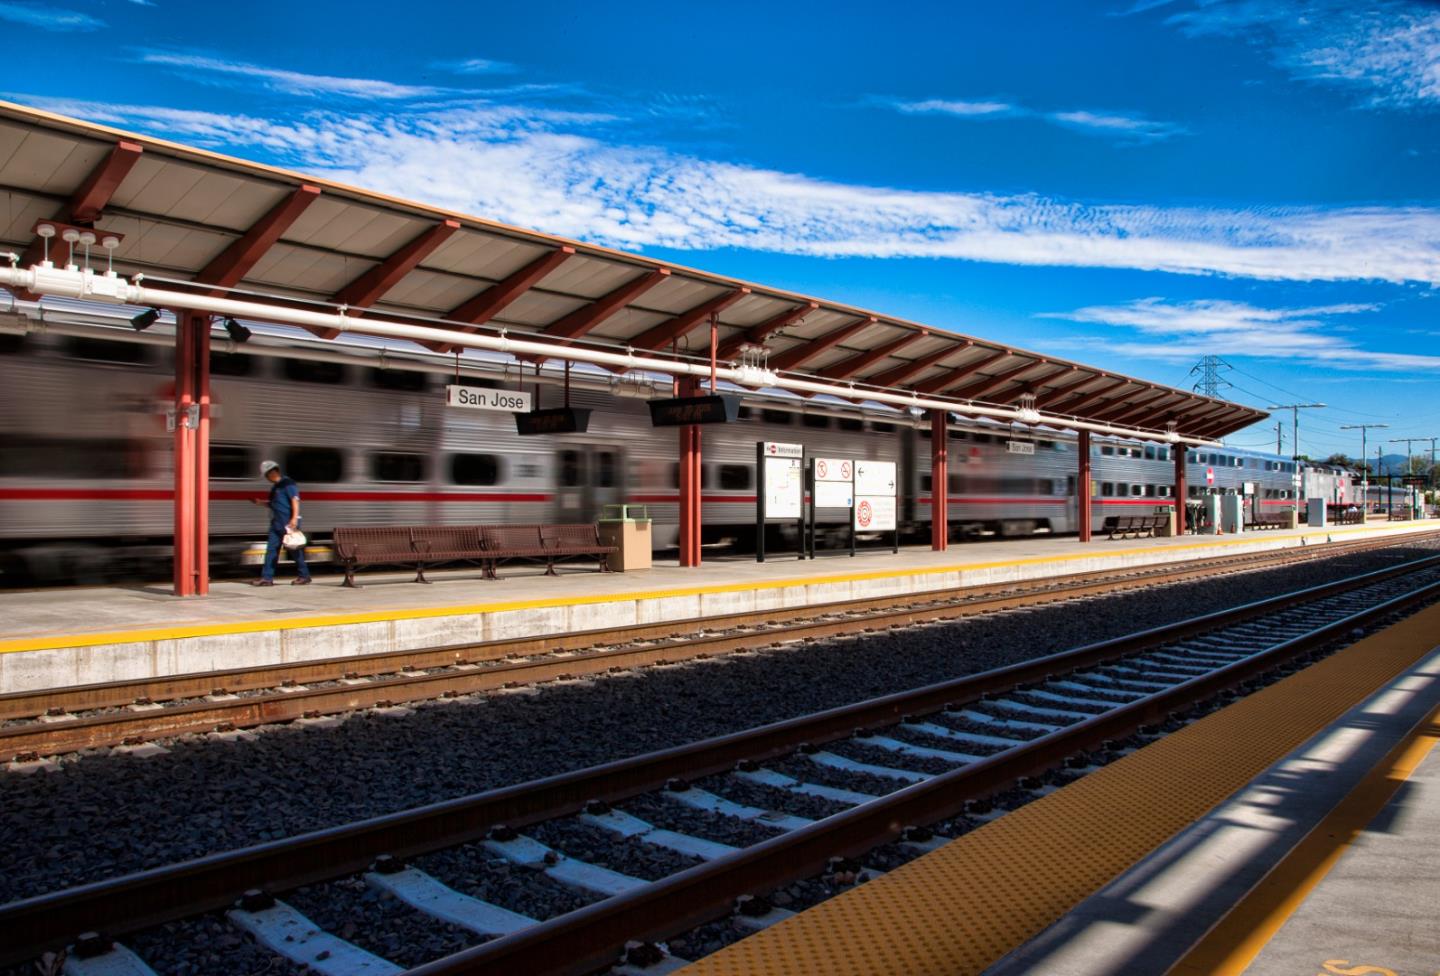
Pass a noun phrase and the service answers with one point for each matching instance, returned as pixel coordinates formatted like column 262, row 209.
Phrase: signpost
column 832, row 485
column 875, row 509
column 780, row 489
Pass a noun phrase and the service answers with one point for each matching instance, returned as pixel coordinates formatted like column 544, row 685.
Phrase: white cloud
column 1390, row 48
column 48, row 18
column 479, row 66
column 290, row 82
column 964, row 109
column 1185, row 331
column 1131, row 128
column 552, row 171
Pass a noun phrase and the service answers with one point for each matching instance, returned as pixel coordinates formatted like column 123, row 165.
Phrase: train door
column 587, row 478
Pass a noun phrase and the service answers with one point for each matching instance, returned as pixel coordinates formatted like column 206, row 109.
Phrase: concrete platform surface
column 51, row 638
column 1193, row 907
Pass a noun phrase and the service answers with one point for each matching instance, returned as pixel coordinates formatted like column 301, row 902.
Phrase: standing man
column 284, row 517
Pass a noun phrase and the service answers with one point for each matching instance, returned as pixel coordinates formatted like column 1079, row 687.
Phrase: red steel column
column 1178, row 451
column 690, row 502
column 939, row 482
column 184, row 453
column 200, row 343
column 1083, row 511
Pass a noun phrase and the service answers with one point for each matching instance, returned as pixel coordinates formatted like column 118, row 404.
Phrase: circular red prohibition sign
column 845, row 469
column 821, row 469
column 865, row 516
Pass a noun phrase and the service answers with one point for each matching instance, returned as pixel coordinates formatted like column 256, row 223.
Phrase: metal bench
column 576, row 540
column 390, row 546
column 1132, row 526
column 1269, row 522
column 502, row 543
column 446, row 544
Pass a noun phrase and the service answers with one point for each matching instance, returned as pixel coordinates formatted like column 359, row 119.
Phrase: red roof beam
column 1138, row 411
column 903, row 372
column 236, row 261
column 757, row 333
column 847, row 368
column 1044, row 400
column 1146, row 396
column 1073, row 406
column 810, row 348
column 676, row 328
column 955, row 375
column 371, row 286
column 979, row 388
column 1029, row 386
column 87, row 204
column 579, row 322
column 493, row 300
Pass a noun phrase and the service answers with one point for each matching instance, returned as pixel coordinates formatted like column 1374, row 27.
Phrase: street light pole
column 1364, row 464
column 1296, row 482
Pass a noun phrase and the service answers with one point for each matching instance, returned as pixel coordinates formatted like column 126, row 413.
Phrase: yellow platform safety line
column 965, row 906
column 1234, row 942
column 181, row 631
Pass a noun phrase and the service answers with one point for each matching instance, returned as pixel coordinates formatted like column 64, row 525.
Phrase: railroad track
column 947, row 749
column 63, row 720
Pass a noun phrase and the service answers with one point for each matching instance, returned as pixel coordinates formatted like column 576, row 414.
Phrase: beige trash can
column 627, row 528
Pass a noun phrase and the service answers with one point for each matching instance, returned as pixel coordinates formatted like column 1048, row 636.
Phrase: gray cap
column 267, row 466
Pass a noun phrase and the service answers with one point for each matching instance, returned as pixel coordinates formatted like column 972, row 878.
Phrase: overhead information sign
column 479, row 398
column 1020, row 447
column 784, row 488
column 875, row 513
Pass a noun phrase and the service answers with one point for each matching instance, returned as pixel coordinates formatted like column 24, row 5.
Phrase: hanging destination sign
column 719, row 408
column 556, row 420
column 478, row 398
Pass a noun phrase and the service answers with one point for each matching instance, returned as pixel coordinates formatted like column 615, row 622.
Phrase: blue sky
column 1134, row 184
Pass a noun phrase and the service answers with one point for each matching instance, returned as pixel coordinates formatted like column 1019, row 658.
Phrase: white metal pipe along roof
column 110, row 288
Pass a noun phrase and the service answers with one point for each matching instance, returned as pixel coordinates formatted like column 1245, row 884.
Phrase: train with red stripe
column 85, row 460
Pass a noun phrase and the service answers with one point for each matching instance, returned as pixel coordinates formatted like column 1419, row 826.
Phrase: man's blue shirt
column 281, row 493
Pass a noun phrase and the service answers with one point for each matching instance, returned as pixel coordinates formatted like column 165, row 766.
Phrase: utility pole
column 1296, row 482
column 1364, row 474
column 1209, row 368
column 1409, row 458
column 1279, row 437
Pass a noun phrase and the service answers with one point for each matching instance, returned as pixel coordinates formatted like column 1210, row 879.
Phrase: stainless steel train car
column 85, row 467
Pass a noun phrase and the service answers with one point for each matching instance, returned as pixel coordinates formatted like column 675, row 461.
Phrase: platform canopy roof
column 212, row 220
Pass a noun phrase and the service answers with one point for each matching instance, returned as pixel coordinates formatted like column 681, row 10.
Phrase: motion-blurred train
column 85, row 461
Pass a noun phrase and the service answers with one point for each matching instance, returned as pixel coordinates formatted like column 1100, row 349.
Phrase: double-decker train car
column 86, row 475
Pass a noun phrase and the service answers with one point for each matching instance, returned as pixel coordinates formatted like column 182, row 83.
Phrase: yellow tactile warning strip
column 963, row 907
column 145, row 634
column 1234, row 942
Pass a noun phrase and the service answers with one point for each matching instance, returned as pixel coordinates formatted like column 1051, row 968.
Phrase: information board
column 784, row 488
column 875, row 478
column 875, row 513
column 834, row 494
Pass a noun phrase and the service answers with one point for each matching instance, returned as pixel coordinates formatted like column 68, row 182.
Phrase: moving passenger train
column 85, row 466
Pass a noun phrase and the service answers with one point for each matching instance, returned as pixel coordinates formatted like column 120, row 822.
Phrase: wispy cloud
column 1389, row 49
column 1184, row 331
column 290, row 82
column 48, row 18
column 478, row 66
column 557, row 172
column 1129, row 128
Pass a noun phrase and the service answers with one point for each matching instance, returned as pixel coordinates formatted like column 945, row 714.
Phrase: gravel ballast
column 101, row 815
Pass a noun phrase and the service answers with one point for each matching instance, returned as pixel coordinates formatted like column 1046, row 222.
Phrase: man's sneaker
column 262, row 582
column 302, row 581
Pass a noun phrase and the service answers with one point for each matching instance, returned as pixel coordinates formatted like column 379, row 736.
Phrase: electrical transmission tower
column 1209, row 369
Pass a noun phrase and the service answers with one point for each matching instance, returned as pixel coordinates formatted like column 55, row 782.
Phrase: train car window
column 817, row 420
column 924, row 432
column 571, row 474
column 314, row 464
column 881, row 427
column 956, row 484
column 851, row 424
column 408, row 380
column 107, row 351
column 231, row 462
column 744, row 413
column 476, row 382
column 1137, row 490
column 231, row 364
column 961, row 435
column 1149, row 452
column 926, row 481
column 782, row 418
column 1107, row 451
column 62, row 458
column 1163, row 454
column 1045, row 445
column 395, row 466
column 1107, row 488
column 605, row 469
column 1149, row 491
column 983, row 438
column 12, row 343
column 475, row 469
column 311, row 371
column 734, row 477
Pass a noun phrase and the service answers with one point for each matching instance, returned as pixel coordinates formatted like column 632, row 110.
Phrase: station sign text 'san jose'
column 478, row 398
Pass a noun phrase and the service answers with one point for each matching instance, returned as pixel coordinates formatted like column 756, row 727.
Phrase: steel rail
column 72, row 734
column 34, row 925
column 583, row 940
